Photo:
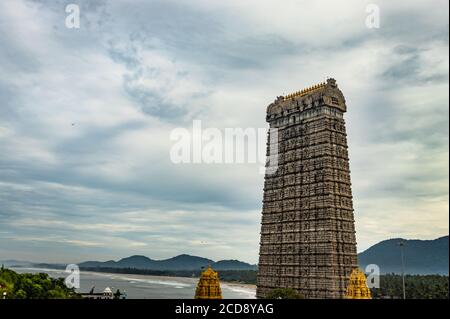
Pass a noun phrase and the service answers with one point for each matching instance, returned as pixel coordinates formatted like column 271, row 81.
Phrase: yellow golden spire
column 305, row 91
column 208, row 286
column 357, row 287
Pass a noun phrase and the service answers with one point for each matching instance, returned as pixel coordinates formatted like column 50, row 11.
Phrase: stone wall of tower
column 307, row 230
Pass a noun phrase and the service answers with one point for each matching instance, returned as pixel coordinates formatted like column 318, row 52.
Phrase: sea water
column 144, row 286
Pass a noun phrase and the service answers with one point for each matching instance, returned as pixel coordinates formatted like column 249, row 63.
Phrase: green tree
column 20, row 294
column 417, row 287
column 34, row 286
column 284, row 293
column 117, row 294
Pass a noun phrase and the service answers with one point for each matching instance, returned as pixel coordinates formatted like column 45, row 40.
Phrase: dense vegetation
column 241, row 276
column 33, row 286
column 416, row 287
column 284, row 293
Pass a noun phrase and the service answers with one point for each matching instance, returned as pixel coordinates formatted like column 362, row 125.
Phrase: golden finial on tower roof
column 305, row 91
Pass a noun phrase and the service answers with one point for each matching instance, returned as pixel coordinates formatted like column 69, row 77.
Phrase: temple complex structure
column 307, row 231
column 208, row 286
column 357, row 287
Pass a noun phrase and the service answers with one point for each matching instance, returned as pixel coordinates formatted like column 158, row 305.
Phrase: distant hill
column 421, row 256
column 181, row 262
column 15, row 263
column 232, row 265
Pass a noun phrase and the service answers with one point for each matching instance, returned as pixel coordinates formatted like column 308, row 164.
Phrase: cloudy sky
column 86, row 115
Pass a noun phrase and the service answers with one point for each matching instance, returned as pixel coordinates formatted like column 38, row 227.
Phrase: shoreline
column 236, row 284
column 143, row 286
column 229, row 283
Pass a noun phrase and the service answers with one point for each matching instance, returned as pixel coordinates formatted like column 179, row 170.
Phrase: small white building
column 106, row 294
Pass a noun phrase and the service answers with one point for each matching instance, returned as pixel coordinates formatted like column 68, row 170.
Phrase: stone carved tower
column 307, row 230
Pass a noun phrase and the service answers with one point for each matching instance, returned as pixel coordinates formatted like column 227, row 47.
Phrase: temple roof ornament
column 357, row 287
column 325, row 93
column 305, row 91
column 208, row 286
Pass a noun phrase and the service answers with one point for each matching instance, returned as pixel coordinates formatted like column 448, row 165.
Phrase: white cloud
column 86, row 117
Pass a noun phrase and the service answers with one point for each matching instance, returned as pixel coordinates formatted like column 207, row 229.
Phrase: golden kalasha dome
column 357, row 287
column 208, row 286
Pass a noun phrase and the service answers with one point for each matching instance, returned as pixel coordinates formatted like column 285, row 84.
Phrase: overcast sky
column 86, row 114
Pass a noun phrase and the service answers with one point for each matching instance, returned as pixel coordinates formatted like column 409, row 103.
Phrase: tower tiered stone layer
column 307, row 230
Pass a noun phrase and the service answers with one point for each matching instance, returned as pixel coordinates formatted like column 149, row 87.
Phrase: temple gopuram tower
column 357, row 287
column 208, row 286
column 307, row 230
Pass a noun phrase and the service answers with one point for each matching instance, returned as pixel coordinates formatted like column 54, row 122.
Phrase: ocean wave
column 154, row 281
column 248, row 292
